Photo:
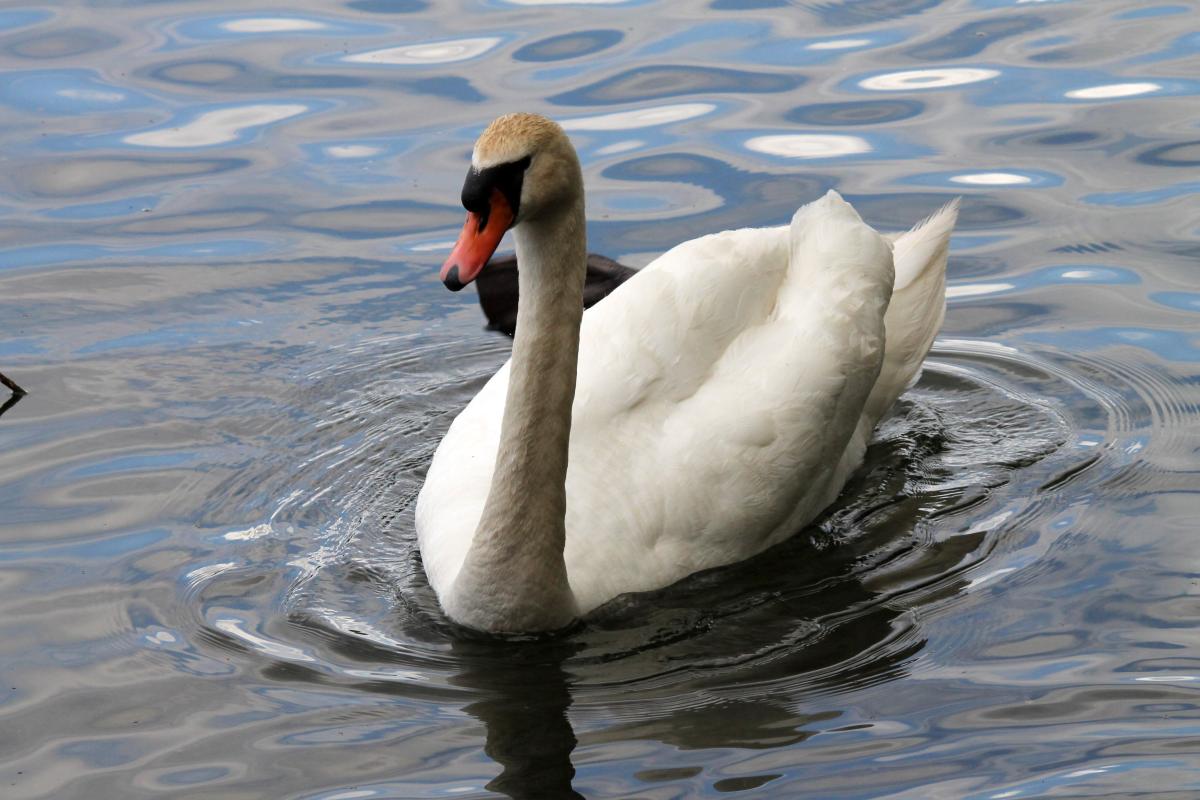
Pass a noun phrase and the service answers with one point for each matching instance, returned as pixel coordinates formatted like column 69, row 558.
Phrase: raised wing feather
column 721, row 425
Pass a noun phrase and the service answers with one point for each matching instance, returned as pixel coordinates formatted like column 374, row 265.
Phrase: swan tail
column 921, row 252
column 918, row 304
column 837, row 257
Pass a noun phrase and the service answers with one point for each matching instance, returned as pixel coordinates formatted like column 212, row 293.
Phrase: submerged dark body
column 498, row 292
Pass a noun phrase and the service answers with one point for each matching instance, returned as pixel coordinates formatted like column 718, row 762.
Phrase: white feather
column 724, row 396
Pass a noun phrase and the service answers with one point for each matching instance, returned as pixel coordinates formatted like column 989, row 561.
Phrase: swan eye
column 479, row 184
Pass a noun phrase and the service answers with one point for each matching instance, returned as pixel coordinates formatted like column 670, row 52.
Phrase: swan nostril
column 451, row 279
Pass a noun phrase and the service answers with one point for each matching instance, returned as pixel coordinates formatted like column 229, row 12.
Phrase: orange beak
column 481, row 235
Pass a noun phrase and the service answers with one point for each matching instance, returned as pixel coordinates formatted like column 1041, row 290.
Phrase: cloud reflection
column 809, row 145
column 839, row 44
column 987, row 179
column 991, row 179
column 1097, row 275
column 909, row 80
column 444, row 52
column 1112, row 91
column 272, row 25
column 216, row 127
column 639, row 118
column 235, row 627
column 623, row 146
column 92, row 95
column 978, row 289
column 353, row 150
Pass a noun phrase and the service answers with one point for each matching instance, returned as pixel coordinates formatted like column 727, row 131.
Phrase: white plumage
column 724, row 396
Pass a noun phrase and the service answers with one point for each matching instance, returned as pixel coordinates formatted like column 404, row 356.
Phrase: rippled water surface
column 220, row 226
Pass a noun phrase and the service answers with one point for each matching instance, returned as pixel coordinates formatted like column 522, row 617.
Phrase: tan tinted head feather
column 512, row 137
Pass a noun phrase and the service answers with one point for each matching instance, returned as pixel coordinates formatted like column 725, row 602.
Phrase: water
column 220, row 226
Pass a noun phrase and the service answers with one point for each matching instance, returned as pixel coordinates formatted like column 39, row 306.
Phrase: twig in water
column 12, row 386
column 12, row 400
column 17, row 393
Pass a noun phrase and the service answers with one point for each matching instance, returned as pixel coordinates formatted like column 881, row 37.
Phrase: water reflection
column 840, row 44
column 389, row 6
column 216, row 127
column 813, row 145
column 1113, row 91
column 869, row 112
column 444, row 52
column 97, row 176
column 567, row 46
column 992, row 179
column 524, row 695
column 62, row 43
column 65, row 91
column 973, row 38
column 572, row 2
column 639, row 118
column 353, row 150
column 927, row 79
column 261, row 26
column 271, row 25
column 653, row 83
column 220, row 231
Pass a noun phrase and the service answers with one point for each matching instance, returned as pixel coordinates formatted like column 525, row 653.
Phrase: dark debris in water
column 12, row 385
column 15, row 397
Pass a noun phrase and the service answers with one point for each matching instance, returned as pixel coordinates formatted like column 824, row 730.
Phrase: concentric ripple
column 939, row 508
column 219, row 236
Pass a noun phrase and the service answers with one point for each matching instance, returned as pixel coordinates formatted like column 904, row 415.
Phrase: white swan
column 722, row 396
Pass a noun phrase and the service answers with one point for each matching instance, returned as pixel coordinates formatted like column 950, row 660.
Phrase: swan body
column 722, row 397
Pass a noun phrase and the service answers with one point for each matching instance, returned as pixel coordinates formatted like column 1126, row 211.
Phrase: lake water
column 220, row 228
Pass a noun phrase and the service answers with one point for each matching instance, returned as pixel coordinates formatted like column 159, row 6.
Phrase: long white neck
column 514, row 577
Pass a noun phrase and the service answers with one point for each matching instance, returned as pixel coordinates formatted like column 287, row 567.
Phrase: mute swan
column 710, row 407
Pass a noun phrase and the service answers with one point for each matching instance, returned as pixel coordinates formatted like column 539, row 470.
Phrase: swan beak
column 481, row 235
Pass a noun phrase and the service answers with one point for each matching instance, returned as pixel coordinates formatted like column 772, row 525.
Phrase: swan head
column 523, row 167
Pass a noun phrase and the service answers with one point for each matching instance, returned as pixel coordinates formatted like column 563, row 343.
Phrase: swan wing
column 913, row 319
column 918, row 305
column 715, row 390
